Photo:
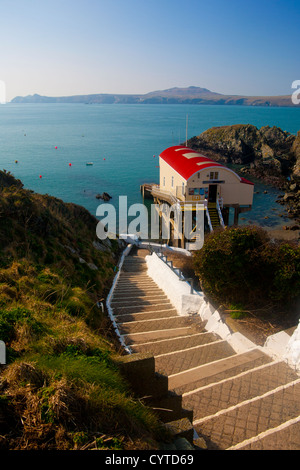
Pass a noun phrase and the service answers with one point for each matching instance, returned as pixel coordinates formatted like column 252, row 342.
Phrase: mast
column 186, row 130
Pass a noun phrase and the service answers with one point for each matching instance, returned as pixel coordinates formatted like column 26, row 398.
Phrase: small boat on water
column 89, row 163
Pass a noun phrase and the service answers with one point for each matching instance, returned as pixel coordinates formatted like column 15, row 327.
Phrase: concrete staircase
column 236, row 400
column 213, row 214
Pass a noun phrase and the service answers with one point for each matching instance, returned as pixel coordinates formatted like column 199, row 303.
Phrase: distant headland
column 189, row 95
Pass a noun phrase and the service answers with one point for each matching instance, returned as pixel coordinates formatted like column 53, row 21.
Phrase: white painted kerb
column 110, row 295
column 178, row 292
column 292, row 352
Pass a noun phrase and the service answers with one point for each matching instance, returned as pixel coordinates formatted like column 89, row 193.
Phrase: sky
column 64, row 47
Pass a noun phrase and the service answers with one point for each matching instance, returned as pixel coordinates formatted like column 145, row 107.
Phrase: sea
column 48, row 147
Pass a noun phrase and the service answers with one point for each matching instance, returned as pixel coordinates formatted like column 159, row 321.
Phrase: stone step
column 136, row 283
column 142, row 308
column 239, row 401
column 174, row 363
column 157, row 335
column 134, row 262
column 210, row 399
column 220, row 370
column 137, row 292
column 134, row 269
column 130, row 280
column 133, row 275
column 127, row 275
column 181, row 428
column 145, row 316
column 134, row 259
column 251, row 418
column 125, row 300
column 175, row 344
column 127, row 283
column 286, row 436
column 152, row 325
column 139, row 300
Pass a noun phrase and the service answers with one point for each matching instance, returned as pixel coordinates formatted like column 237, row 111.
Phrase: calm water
column 122, row 141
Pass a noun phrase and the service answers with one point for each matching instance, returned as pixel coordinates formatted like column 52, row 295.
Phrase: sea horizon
column 53, row 142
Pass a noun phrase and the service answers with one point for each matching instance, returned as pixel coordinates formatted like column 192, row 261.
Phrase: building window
column 164, row 181
column 183, row 189
column 214, row 175
column 172, row 181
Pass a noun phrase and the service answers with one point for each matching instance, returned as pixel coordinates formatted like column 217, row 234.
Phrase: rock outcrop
column 268, row 153
column 104, row 196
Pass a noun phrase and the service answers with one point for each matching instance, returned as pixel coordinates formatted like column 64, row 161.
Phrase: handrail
column 208, row 219
column 178, row 272
column 174, row 199
column 108, row 300
column 220, row 214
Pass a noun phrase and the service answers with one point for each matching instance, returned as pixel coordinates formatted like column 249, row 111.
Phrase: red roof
column 243, row 180
column 187, row 162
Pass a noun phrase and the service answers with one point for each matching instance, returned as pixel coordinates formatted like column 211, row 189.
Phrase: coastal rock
column 288, row 197
column 269, row 154
column 92, row 266
column 268, row 150
column 296, row 153
column 104, row 196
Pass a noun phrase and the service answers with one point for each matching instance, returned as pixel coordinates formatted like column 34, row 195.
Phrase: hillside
column 61, row 388
column 189, row 95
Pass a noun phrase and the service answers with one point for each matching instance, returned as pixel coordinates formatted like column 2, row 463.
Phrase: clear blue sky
column 64, row 47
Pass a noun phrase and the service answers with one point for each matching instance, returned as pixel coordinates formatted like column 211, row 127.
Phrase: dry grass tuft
column 24, row 373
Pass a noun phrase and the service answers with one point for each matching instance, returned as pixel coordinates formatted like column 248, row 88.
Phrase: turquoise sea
column 123, row 142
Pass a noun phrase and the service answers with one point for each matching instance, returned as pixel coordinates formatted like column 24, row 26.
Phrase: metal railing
column 220, row 214
column 167, row 195
column 208, row 219
column 178, row 272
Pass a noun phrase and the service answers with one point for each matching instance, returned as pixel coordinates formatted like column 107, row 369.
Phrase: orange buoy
column 70, row 164
column 40, row 176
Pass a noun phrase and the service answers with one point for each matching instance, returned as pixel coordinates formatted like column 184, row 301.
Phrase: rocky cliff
column 268, row 153
column 189, row 95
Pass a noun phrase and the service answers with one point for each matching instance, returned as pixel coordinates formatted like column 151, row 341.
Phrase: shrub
column 243, row 265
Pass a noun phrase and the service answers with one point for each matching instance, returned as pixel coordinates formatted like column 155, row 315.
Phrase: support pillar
column 236, row 215
column 225, row 214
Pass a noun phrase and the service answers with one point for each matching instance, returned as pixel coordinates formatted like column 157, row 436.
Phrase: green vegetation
column 61, row 388
column 244, row 267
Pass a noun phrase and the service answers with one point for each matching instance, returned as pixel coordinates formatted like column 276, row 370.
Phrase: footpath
column 246, row 400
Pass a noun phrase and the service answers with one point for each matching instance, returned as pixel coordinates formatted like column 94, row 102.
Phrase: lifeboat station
column 188, row 178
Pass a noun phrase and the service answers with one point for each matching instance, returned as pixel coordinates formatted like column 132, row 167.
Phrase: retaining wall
column 280, row 345
column 177, row 290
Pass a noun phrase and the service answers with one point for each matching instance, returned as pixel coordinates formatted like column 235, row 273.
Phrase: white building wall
column 166, row 175
column 232, row 191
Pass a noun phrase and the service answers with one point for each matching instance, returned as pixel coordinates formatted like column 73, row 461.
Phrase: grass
column 62, row 373
column 61, row 388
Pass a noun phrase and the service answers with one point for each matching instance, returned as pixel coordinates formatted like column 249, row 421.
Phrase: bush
column 242, row 265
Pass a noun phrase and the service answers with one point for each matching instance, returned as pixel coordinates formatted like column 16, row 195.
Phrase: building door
column 212, row 194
